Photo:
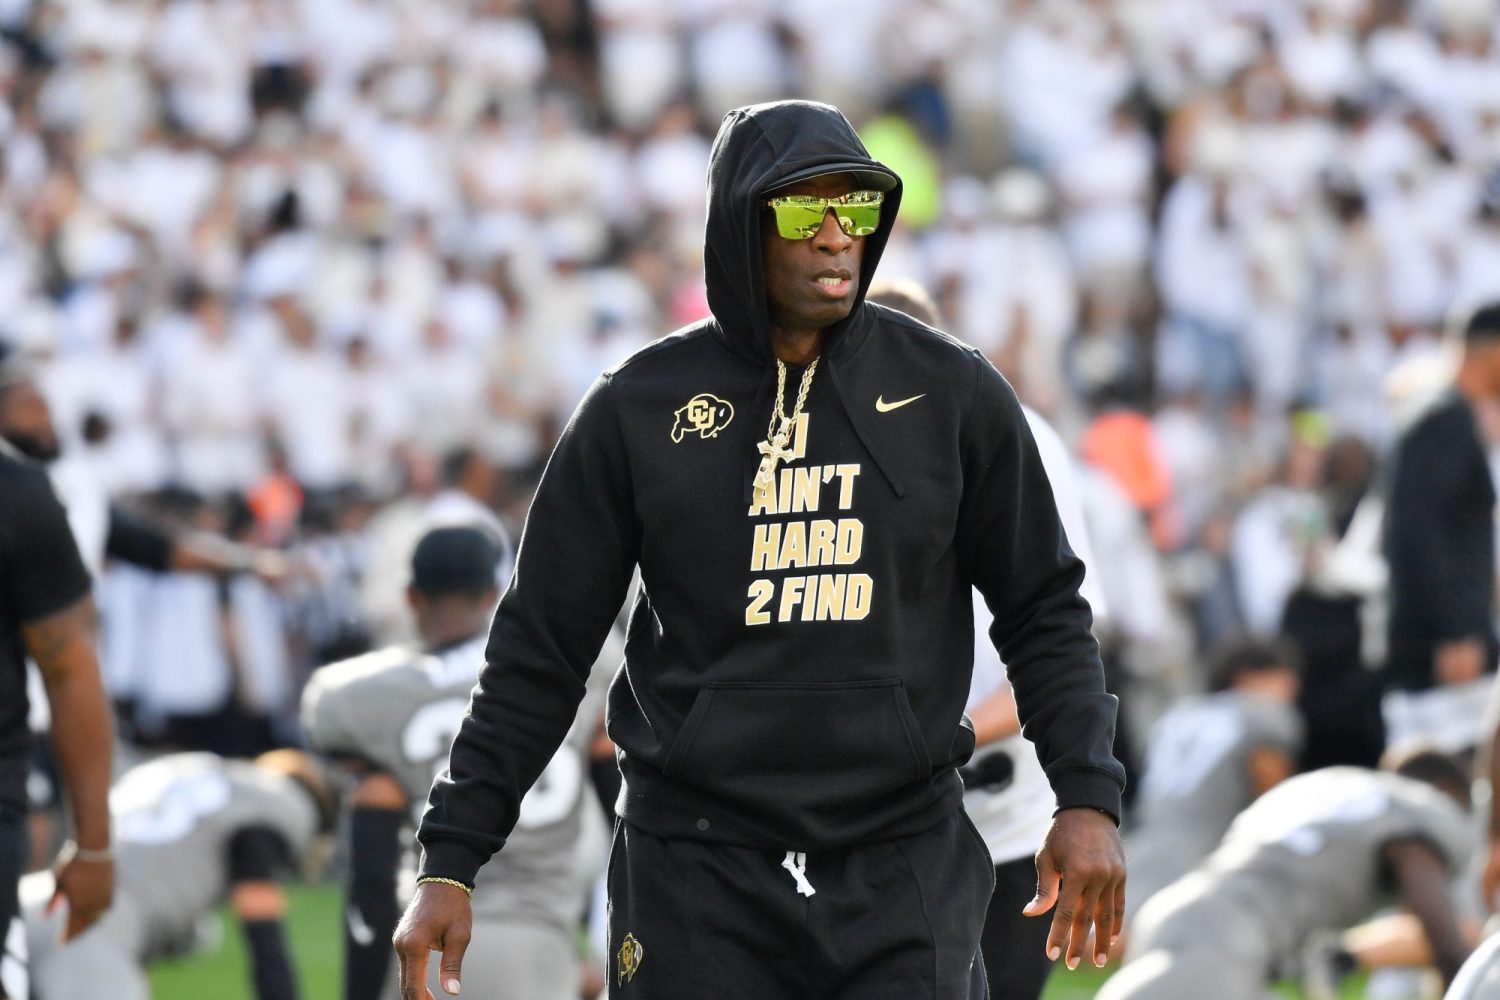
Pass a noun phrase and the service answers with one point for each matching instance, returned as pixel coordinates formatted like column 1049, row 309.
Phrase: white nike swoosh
column 361, row 932
column 881, row 406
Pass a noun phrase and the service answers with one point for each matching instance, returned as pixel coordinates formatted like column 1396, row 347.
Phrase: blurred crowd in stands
column 295, row 270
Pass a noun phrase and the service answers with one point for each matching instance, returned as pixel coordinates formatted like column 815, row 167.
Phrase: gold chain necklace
column 775, row 447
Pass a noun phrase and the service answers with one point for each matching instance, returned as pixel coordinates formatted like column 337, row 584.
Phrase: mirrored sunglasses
column 799, row 216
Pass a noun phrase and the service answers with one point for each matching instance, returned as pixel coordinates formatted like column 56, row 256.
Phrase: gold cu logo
column 705, row 413
column 628, row 960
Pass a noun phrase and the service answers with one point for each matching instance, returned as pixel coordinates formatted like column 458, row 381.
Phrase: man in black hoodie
column 810, row 484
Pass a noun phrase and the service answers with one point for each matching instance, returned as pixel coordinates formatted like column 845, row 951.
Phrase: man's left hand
column 1081, row 870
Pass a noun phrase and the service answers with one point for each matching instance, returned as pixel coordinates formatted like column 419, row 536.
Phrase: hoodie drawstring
column 795, row 862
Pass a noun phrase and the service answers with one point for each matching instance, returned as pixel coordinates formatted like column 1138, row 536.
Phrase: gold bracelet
column 468, row 891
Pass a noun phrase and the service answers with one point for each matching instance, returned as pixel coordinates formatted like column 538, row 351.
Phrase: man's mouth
column 834, row 283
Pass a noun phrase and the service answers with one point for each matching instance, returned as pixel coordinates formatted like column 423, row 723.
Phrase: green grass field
column 313, row 928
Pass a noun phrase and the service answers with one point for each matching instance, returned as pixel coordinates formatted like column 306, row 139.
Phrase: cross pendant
column 774, row 450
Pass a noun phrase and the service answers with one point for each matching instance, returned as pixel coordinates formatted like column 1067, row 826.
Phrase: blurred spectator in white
column 471, row 307
column 1203, row 271
column 202, row 48
column 209, row 399
column 1322, row 54
column 162, row 187
column 670, row 164
column 1283, row 529
column 382, row 418
column 1476, row 252
column 498, row 48
column 1192, row 448
column 1281, row 271
column 1065, row 71
column 1401, row 54
column 1350, row 263
column 1470, row 70
column 1016, row 300
column 734, row 55
column 285, row 255
column 494, row 163
column 445, row 390
column 402, row 148
column 1130, row 571
column 100, row 89
column 573, row 170
column 1349, row 370
column 410, row 274
column 344, row 39
column 838, row 65
column 561, row 312
column 641, row 59
column 308, row 402
column 105, row 406
column 105, row 261
column 1105, row 190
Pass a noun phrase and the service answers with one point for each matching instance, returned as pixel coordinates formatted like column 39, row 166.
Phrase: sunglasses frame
column 806, row 202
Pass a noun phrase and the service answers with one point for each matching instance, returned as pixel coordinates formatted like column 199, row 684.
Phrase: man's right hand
column 438, row 919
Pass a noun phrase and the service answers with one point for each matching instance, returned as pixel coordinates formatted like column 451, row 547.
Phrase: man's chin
column 830, row 313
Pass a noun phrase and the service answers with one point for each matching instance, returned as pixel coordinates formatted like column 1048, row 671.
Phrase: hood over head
column 758, row 149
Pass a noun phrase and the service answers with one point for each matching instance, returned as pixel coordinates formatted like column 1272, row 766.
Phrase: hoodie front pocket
column 792, row 748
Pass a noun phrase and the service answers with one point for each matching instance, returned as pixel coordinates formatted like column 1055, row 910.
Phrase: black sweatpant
column 1015, row 946
column 892, row 920
column 13, row 851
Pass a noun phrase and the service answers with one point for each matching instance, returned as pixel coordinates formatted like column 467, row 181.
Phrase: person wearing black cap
column 389, row 716
column 810, row 485
column 1440, row 545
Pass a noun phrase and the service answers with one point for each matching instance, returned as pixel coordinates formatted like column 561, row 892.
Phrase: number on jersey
column 162, row 811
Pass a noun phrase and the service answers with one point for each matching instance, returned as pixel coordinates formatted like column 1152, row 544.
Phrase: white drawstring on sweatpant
column 796, row 863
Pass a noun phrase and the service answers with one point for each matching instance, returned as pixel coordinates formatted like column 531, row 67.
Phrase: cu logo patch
column 705, row 413
column 628, row 960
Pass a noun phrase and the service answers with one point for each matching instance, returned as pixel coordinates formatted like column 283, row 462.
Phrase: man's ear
column 413, row 597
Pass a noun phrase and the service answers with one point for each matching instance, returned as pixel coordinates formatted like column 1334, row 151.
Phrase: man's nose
column 830, row 236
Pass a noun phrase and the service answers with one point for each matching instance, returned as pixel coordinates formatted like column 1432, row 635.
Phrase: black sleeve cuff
column 1085, row 787
column 451, row 859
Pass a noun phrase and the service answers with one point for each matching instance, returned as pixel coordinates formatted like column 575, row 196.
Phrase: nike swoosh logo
column 881, row 406
column 361, row 932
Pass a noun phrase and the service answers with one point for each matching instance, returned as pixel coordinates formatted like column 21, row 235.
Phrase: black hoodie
column 796, row 668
